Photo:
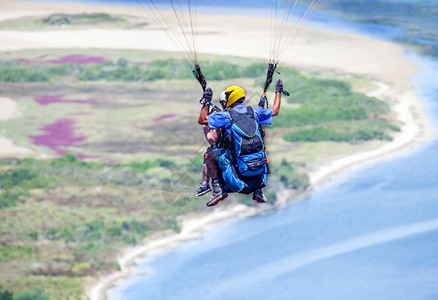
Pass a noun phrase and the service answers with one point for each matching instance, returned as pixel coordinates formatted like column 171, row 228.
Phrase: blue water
column 370, row 234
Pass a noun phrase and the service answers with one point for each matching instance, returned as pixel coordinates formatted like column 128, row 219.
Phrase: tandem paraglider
column 236, row 160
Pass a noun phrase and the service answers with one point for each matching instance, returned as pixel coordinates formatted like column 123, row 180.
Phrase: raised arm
column 277, row 101
column 203, row 115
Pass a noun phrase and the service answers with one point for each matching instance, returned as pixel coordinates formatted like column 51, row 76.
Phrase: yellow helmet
column 234, row 94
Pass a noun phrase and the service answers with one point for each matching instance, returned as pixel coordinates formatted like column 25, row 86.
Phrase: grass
column 122, row 70
column 44, row 287
column 11, row 253
column 71, row 227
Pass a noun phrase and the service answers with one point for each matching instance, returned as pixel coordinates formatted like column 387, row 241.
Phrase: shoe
column 203, row 189
column 259, row 197
column 216, row 197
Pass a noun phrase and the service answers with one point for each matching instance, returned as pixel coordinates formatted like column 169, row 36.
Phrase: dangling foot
column 258, row 196
column 203, row 189
column 215, row 198
column 217, row 195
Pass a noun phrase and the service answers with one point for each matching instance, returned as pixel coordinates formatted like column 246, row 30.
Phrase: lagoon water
column 370, row 234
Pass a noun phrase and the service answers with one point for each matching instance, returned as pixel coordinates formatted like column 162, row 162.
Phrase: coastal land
column 381, row 64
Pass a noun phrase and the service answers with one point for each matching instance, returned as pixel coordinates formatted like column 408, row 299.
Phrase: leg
column 204, row 188
column 213, row 171
column 211, row 136
column 211, row 164
column 205, row 177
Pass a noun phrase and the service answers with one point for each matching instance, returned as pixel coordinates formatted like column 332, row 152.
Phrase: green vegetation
column 9, row 198
column 122, row 70
column 14, row 184
column 73, row 215
column 9, row 253
column 16, row 72
column 291, row 176
column 6, row 295
column 55, row 287
column 82, row 19
column 328, row 110
column 22, row 177
column 37, row 294
column 341, row 132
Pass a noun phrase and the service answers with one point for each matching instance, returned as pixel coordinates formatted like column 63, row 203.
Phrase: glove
column 208, row 95
column 279, row 86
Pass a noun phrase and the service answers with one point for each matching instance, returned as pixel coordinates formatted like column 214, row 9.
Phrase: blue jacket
column 222, row 119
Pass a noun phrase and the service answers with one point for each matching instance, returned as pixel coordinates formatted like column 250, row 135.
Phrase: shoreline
column 392, row 78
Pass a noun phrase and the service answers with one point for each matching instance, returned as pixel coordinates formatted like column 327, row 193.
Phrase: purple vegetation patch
column 77, row 59
column 58, row 136
column 69, row 59
column 47, row 99
column 164, row 117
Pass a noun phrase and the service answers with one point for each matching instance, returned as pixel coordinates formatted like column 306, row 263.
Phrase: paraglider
column 239, row 163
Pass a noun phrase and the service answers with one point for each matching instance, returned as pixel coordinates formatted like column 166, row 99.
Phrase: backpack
column 245, row 143
column 243, row 161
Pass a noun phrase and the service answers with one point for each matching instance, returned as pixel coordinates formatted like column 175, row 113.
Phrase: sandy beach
column 344, row 54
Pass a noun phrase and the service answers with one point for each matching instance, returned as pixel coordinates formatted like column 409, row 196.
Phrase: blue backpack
column 244, row 162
